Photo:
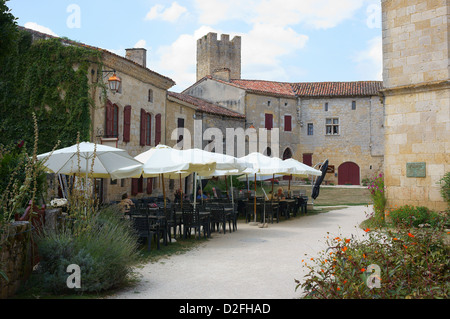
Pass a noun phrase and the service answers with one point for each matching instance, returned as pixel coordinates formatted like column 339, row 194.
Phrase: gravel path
column 251, row 263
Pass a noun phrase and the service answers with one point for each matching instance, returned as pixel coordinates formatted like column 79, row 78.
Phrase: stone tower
column 416, row 76
column 221, row 57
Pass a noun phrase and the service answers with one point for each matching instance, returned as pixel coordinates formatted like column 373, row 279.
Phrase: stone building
column 131, row 118
column 196, row 123
column 416, row 42
column 311, row 122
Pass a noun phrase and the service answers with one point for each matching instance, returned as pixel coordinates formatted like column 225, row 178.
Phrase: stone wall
column 360, row 133
column 136, row 81
column 417, row 100
column 15, row 258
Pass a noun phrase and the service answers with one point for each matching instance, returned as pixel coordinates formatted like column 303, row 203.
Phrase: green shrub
column 445, row 188
column 412, row 264
column 412, row 216
column 377, row 192
column 105, row 249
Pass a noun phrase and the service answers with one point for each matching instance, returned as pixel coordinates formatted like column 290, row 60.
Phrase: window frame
column 310, row 129
column 332, row 128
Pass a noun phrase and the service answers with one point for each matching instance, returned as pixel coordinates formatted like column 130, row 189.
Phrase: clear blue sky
column 282, row 40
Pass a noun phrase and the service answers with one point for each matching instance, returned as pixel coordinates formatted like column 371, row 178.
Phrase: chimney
column 223, row 74
column 138, row 56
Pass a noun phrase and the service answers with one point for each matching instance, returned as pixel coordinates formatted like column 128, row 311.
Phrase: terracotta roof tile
column 205, row 106
column 268, row 87
column 316, row 89
column 308, row 89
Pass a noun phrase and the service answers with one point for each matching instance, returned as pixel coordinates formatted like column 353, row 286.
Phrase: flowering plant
column 377, row 192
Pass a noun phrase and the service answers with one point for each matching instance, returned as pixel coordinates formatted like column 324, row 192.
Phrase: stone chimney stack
column 137, row 55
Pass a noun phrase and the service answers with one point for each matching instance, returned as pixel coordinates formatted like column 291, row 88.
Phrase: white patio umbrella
column 91, row 160
column 263, row 165
column 172, row 163
column 299, row 169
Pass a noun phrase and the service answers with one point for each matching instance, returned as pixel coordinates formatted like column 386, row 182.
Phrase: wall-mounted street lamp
column 113, row 81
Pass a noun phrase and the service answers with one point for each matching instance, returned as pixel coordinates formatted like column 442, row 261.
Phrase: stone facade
column 416, row 39
column 141, row 89
column 359, row 139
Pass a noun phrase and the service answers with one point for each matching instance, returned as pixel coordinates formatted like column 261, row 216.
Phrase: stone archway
column 348, row 174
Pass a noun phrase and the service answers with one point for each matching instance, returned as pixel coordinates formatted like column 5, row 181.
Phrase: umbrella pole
column 164, row 191
column 226, row 186
column 195, row 190
column 232, row 196
column 181, row 193
column 255, row 199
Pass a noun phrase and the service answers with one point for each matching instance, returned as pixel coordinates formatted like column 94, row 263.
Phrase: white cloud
column 317, row 14
column 40, row 28
column 178, row 60
column 141, row 44
column 370, row 61
column 171, row 14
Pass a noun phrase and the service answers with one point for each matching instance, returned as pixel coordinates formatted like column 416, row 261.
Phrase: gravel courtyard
column 251, row 263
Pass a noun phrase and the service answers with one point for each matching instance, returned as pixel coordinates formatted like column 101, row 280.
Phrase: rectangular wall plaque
column 416, row 169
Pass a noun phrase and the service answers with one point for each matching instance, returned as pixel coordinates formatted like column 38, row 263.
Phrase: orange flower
column 344, row 249
column 364, row 255
column 363, row 269
column 405, row 246
column 367, row 230
column 345, row 281
column 337, row 238
column 347, row 241
column 338, row 288
column 394, row 238
column 411, row 235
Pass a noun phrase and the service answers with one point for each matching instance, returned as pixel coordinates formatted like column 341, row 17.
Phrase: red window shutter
column 157, row 129
column 134, row 186
column 143, row 126
column 126, row 123
column 149, row 186
column 148, row 129
column 288, row 123
column 269, row 121
column 109, row 119
column 115, row 121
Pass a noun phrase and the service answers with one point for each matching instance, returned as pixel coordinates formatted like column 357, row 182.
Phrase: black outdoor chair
column 303, row 204
column 145, row 229
column 232, row 214
column 218, row 218
column 271, row 211
column 191, row 220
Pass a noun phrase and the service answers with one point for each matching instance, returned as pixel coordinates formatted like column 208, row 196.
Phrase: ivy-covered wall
column 49, row 78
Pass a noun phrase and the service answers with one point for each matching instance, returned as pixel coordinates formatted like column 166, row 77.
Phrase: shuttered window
column 157, row 129
column 269, row 121
column 127, row 124
column 148, row 129
column 143, row 126
column 287, row 123
column 112, row 120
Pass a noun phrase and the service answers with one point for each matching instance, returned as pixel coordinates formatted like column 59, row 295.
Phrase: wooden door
column 348, row 174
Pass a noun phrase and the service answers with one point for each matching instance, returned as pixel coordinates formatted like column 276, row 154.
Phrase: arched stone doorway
column 286, row 155
column 348, row 174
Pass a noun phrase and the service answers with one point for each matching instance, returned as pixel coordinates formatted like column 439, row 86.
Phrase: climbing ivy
column 48, row 78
